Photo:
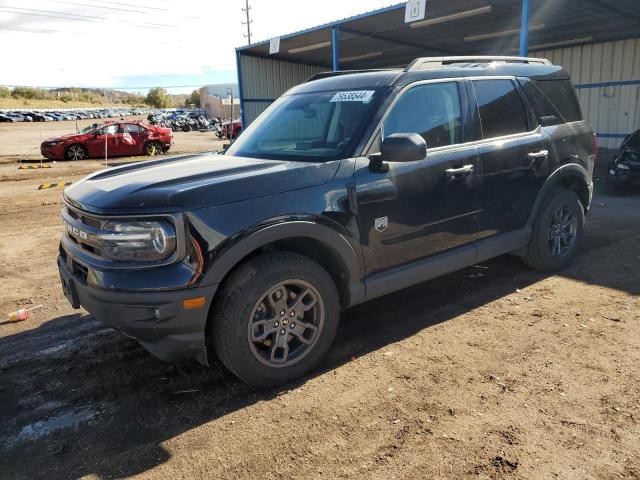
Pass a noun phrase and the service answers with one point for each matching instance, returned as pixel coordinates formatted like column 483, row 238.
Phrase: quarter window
column 501, row 109
column 432, row 111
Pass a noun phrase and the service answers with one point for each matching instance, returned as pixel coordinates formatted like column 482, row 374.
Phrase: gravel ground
column 493, row 372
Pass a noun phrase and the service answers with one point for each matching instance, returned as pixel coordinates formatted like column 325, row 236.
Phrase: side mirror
column 403, row 147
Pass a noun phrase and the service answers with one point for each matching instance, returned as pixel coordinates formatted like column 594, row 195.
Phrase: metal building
column 597, row 41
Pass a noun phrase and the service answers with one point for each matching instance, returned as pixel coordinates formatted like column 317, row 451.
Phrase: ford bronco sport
column 348, row 187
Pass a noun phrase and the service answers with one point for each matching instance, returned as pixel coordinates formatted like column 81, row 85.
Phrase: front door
column 106, row 136
column 418, row 209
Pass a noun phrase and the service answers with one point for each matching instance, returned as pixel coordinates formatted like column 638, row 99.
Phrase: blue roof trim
column 335, row 23
column 608, row 84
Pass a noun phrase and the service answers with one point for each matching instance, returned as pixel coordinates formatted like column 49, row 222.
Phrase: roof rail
column 428, row 63
column 338, row 73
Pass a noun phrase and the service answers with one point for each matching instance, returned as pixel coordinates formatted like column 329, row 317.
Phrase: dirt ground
column 493, row 372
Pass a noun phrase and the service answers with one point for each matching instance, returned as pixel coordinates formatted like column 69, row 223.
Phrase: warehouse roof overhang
column 382, row 39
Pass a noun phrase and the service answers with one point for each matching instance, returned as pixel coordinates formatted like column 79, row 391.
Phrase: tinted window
column 544, row 109
column 501, row 109
column 432, row 110
column 561, row 94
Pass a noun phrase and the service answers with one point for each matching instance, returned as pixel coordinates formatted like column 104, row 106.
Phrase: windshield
column 318, row 126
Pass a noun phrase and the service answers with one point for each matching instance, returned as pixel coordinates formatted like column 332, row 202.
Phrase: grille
column 81, row 229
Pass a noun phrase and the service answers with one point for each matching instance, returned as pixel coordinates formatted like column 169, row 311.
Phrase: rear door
column 418, row 209
column 514, row 154
column 133, row 139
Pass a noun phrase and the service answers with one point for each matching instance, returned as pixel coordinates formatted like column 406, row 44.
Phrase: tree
column 193, row 99
column 158, row 98
column 5, row 92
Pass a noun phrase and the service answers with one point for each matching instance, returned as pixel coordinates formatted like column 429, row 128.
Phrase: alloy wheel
column 562, row 231
column 76, row 152
column 286, row 323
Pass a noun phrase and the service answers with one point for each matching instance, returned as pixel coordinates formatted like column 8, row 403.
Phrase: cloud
column 108, row 43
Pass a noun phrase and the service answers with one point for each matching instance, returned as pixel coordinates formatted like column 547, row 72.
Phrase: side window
column 431, row 110
column 109, row 129
column 132, row 128
column 501, row 109
column 563, row 97
column 542, row 106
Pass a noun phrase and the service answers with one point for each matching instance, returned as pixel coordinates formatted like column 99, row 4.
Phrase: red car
column 237, row 129
column 121, row 139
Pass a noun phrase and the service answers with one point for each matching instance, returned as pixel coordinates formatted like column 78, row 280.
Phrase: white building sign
column 415, row 10
column 274, row 45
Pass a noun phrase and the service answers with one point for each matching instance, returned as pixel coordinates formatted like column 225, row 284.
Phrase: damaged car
column 624, row 170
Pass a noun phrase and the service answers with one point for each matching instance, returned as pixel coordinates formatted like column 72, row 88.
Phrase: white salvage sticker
column 363, row 96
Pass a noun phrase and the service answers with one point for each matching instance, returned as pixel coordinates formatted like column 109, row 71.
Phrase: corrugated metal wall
column 613, row 110
column 264, row 80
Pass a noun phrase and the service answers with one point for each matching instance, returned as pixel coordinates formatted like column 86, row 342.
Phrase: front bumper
column 156, row 319
column 52, row 153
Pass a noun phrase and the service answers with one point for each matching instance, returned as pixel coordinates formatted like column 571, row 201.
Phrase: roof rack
column 428, row 63
column 338, row 73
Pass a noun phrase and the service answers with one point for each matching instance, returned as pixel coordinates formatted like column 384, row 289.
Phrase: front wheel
column 557, row 232
column 275, row 318
column 76, row 152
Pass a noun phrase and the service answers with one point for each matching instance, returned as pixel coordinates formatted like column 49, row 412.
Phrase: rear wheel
column 275, row 318
column 152, row 149
column 76, row 152
column 557, row 232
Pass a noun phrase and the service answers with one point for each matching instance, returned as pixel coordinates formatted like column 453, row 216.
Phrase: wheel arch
column 321, row 243
column 571, row 176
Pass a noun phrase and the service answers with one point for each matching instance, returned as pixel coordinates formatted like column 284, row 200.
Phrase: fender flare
column 569, row 170
column 232, row 255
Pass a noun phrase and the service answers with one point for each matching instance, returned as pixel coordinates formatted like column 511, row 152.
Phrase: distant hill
column 21, row 97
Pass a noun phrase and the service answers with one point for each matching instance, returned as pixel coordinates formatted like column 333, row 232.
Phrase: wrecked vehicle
column 350, row 186
column 624, row 170
column 116, row 139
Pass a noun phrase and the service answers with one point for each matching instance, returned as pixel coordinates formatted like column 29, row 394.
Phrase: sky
column 135, row 44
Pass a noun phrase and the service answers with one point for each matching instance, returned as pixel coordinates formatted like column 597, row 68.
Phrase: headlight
column 144, row 241
column 622, row 166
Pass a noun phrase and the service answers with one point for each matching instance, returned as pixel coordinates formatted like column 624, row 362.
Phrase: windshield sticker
column 363, row 96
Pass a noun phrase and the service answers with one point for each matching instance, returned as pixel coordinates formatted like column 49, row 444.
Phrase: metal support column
column 335, row 47
column 240, row 92
column 524, row 29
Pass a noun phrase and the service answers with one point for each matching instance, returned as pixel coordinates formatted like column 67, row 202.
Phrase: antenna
column 248, row 22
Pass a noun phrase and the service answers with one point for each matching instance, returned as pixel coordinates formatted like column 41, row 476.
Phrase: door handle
column 459, row 172
column 540, row 154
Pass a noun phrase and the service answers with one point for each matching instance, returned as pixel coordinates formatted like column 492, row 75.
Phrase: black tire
column 543, row 252
column 76, row 152
column 153, row 149
column 233, row 318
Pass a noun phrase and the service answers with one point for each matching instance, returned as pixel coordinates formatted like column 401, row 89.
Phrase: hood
column 78, row 136
column 191, row 182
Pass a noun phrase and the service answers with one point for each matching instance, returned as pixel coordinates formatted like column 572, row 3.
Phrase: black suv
column 348, row 187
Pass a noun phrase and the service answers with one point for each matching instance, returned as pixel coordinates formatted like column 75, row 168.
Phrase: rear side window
column 561, row 93
column 432, row 111
column 501, row 109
